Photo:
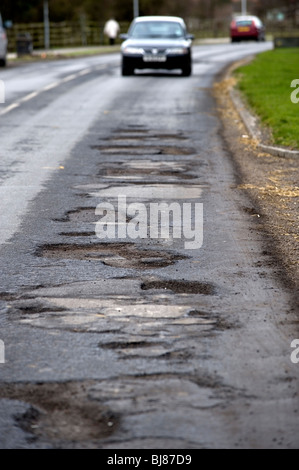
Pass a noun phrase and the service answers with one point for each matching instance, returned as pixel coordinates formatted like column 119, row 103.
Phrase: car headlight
column 133, row 50
column 177, row 51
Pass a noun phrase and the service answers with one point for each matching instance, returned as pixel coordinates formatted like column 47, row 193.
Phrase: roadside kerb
column 251, row 122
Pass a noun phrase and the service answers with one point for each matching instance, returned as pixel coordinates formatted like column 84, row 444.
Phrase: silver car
column 157, row 42
column 3, row 44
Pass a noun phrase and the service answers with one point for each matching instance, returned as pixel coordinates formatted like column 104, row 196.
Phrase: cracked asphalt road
column 134, row 343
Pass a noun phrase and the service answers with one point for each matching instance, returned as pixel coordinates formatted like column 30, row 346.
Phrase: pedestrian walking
column 112, row 30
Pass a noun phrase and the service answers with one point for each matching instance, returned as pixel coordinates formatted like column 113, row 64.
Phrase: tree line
column 30, row 11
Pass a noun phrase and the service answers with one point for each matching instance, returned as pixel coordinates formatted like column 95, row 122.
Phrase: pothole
column 77, row 234
column 127, row 345
column 130, row 172
column 84, row 215
column 198, row 314
column 180, row 287
column 142, row 150
column 81, row 214
column 159, row 165
column 61, row 412
column 132, row 130
column 27, row 307
column 7, row 297
column 212, row 318
column 148, row 192
column 135, row 135
column 119, row 255
column 141, row 168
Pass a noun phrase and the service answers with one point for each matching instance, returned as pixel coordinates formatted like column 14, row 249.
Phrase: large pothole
column 138, row 169
column 143, row 150
column 142, row 134
column 120, row 255
column 61, row 411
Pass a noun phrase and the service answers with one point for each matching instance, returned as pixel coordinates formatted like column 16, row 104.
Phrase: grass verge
column 266, row 85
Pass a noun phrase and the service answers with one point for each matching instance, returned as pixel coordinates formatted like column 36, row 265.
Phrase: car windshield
column 157, row 29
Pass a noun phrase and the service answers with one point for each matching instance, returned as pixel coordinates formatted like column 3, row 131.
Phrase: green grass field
column 266, row 83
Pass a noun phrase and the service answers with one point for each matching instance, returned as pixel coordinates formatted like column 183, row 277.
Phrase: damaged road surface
column 114, row 336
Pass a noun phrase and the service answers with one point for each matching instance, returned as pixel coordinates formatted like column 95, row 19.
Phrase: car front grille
column 155, row 51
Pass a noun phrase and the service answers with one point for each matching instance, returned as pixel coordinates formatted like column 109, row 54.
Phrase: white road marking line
column 84, row 72
column 30, row 96
column 69, row 78
column 9, row 108
column 50, row 86
column 47, row 88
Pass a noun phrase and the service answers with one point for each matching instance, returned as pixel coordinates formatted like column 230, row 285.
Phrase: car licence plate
column 154, row 58
column 243, row 29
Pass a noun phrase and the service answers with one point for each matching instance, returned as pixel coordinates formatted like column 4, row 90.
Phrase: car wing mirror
column 190, row 36
column 124, row 36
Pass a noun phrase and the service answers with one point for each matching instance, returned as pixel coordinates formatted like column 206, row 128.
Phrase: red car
column 3, row 44
column 247, row 27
